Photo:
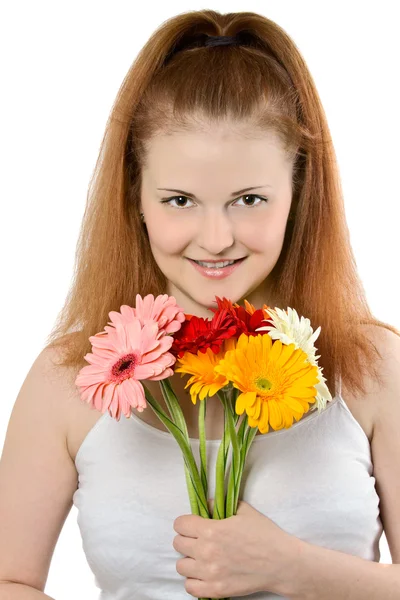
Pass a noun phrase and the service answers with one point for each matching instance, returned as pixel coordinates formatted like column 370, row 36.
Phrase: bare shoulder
column 78, row 416
column 366, row 409
column 388, row 345
column 37, row 476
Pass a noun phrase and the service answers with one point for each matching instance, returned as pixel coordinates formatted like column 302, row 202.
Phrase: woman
column 217, row 150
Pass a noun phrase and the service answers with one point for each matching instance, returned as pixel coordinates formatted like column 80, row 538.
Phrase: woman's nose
column 215, row 234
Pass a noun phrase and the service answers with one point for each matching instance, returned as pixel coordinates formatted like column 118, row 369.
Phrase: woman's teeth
column 218, row 265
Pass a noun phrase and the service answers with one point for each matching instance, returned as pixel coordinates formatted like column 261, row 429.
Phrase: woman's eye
column 252, row 197
column 180, row 200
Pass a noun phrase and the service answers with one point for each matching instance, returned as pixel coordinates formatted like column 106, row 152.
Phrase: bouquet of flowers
column 260, row 363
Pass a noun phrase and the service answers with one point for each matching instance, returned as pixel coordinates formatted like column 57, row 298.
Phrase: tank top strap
column 339, row 385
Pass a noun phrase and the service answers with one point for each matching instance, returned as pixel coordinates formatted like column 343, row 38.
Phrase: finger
column 188, row 525
column 186, row 567
column 184, row 545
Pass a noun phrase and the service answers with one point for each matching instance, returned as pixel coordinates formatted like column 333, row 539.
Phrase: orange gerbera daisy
column 276, row 380
column 204, row 381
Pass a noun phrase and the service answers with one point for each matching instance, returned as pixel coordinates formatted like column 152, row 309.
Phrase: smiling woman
column 184, row 118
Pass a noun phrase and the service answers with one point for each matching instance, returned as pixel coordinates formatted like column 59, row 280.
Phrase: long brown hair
column 175, row 83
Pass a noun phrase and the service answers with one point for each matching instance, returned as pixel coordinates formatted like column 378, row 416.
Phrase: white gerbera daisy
column 290, row 329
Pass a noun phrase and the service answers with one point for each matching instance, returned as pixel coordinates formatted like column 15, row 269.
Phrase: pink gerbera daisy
column 122, row 356
column 163, row 310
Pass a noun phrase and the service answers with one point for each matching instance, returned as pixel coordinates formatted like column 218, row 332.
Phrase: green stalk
column 229, row 418
column 190, row 463
column 245, row 437
column 233, row 394
column 236, row 452
column 177, row 415
column 173, row 405
column 249, row 436
column 219, row 500
column 194, row 505
column 180, row 433
column 242, row 430
column 203, row 453
column 203, row 446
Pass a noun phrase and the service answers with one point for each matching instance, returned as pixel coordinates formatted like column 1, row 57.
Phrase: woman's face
column 194, row 212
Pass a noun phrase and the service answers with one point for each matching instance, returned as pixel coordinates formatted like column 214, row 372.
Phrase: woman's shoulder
column 78, row 416
column 365, row 407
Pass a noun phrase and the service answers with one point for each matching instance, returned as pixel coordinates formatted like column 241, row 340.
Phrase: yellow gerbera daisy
column 276, row 382
column 204, row 381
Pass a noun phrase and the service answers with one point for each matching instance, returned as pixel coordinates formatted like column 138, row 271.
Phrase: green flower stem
column 241, row 438
column 203, row 446
column 187, row 452
column 219, row 500
column 233, row 393
column 229, row 418
column 242, row 430
column 194, row 505
column 174, row 407
column 245, row 435
column 236, row 452
column 177, row 415
column 249, row 437
column 250, row 433
column 203, row 454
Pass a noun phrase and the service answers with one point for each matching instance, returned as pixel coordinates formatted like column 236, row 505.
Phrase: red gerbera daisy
column 197, row 334
column 247, row 319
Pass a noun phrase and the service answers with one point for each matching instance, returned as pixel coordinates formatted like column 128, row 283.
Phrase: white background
column 62, row 64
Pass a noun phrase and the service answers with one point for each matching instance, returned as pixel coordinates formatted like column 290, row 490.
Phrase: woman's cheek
column 169, row 237
column 256, row 235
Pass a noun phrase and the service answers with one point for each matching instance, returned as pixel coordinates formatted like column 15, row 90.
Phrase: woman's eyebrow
column 233, row 193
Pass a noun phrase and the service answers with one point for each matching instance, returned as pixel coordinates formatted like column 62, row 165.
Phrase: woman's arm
column 17, row 591
column 325, row 574
column 37, row 480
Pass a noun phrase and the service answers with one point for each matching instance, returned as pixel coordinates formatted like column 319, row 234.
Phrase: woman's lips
column 217, row 273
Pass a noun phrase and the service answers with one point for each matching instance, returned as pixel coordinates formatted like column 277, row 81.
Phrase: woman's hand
column 240, row 555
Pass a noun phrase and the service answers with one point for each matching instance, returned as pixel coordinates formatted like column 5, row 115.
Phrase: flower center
column 124, row 368
column 263, row 384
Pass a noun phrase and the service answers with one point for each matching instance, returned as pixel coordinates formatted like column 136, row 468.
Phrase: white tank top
column 313, row 480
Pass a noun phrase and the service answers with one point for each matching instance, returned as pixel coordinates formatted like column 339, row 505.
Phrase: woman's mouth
column 217, row 269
